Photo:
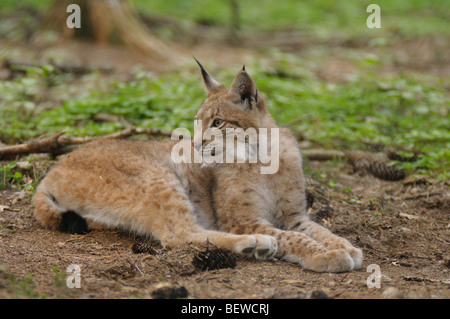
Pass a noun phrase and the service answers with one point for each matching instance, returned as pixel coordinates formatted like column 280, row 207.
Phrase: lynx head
column 238, row 108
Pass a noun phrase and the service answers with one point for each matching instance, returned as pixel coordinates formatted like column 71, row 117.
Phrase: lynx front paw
column 259, row 246
column 266, row 247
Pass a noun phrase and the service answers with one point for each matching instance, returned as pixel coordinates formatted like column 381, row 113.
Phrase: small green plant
column 59, row 277
column 6, row 175
column 61, row 289
column 20, row 175
column 332, row 184
column 437, row 159
column 373, row 220
column 21, row 287
column 402, row 111
column 355, row 201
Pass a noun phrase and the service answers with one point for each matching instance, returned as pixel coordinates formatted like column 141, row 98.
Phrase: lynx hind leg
column 330, row 240
column 299, row 248
column 311, row 254
column 51, row 215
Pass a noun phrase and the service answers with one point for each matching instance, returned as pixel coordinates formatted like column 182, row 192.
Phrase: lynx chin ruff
column 137, row 186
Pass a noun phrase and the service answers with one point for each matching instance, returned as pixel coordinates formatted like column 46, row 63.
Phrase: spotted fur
column 137, row 186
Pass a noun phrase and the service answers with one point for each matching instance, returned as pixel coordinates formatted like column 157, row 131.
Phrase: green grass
column 404, row 112
column 322, row 17
column 408, row 112
column 162, row 102
column 11, row 5
column 21, row 177
column 20, row 288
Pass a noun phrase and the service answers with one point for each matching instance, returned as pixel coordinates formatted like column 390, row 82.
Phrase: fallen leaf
column 409, row 216
column 2, row 208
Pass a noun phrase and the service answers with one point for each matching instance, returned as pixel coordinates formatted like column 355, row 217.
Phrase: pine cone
column 374, row 164
column 142, row 248
column 389, row 173
column 214, row 259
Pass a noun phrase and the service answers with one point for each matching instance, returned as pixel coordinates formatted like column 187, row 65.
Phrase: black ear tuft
column 210, row 83
column 204, row 73
column 243, row 67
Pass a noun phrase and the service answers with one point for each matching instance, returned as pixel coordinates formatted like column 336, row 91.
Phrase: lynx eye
column 217, row 123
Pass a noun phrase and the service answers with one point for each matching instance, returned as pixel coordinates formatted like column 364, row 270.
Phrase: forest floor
column 402, row 227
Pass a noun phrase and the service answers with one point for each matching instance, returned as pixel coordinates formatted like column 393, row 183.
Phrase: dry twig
column 58, row 144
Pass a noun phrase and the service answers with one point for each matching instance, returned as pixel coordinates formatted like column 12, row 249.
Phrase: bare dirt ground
column 403, row 227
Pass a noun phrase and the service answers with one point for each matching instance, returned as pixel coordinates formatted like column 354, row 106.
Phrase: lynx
column 137, row 186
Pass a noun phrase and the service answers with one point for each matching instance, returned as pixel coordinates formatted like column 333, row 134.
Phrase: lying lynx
column 136, row 185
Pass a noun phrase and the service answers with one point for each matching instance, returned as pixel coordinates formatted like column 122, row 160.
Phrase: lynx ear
column 211, row 85
column 244, row 88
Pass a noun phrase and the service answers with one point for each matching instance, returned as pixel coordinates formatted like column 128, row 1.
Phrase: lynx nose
column 197, row 146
